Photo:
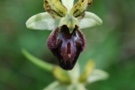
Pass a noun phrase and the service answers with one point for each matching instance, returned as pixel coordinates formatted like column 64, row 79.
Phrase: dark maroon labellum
column 66, row 46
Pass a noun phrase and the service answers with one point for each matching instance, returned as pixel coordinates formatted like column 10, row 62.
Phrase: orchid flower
column 75, row 79
column 66, row 20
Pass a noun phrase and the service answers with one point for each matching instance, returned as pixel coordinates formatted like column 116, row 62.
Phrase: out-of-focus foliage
column 111, row 45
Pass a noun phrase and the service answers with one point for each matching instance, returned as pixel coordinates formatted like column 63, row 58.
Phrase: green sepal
column 88, row 70
column 61, row 75
column 90, row 19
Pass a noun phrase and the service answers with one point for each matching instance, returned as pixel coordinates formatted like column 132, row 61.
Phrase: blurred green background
column 111, row 45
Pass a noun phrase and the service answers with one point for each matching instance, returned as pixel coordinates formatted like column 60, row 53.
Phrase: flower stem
column 44, row 65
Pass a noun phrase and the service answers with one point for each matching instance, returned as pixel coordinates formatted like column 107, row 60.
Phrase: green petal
column 55, row 8
column 79, row 8
column 42, row 21
column 89, row 20
column 68, row 4
column 97, row 75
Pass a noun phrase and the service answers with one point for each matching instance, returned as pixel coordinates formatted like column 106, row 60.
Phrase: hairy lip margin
column 66, row 46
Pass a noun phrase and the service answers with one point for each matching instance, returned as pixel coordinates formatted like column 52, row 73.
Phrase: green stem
column 44, row 65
